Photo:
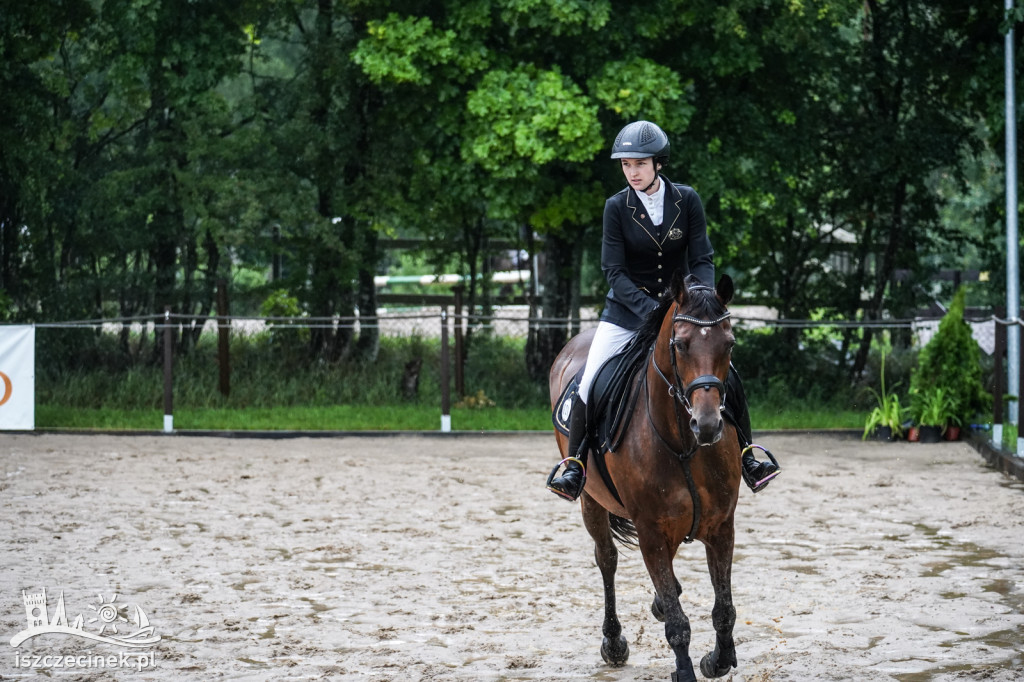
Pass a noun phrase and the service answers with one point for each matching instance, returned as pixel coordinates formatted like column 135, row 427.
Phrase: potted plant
column 913, row 432
column 934, row 408
column 885, row 421
column 952, row 430
column 950, row 361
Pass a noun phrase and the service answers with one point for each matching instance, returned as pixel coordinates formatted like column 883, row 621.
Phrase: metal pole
column 446, row 394
column 223, row 337
column 1019, row 450
column 1012, row 244
column 460, row 347
column 997, row 376
column 168, row 367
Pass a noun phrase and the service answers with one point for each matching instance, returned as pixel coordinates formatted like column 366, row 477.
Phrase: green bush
column 951, row 361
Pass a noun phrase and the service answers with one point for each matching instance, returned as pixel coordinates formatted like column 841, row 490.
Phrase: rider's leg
column 608, row 339
column 756, row 474
column 570, row 484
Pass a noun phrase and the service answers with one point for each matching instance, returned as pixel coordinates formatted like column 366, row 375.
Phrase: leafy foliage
column 888, row 412
column 935, row 407
column 150, row 150
column 949, row 368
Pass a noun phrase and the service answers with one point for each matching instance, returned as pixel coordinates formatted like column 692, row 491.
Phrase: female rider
column 651, row 228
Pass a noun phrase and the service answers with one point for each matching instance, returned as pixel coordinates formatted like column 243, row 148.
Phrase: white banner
column 17, row 377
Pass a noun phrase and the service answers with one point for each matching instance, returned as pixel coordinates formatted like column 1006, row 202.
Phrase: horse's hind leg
column 658, row 557
column 614, row 649
column 723, row 616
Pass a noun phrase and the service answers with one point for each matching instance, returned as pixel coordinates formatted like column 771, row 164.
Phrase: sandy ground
column 443, row 558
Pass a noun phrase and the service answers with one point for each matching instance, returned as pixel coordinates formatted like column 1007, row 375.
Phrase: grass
column 767, row 418
column 378, row 418
column 336, row 418
column 275, row 387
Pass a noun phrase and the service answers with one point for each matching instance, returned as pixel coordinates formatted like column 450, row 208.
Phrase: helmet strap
column 644, row 190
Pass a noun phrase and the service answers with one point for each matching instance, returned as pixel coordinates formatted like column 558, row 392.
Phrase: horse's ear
column 725, row 289
column 677, row 287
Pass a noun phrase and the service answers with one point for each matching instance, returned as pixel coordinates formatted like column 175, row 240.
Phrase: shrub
column 951, row 361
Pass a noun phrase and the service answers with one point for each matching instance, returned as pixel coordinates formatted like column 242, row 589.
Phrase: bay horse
column 676, row 469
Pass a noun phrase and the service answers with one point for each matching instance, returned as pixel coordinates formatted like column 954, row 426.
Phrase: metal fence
column 515, row 321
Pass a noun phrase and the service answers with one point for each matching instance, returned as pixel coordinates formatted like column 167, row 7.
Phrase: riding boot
column 756, row 474
column 570, row 484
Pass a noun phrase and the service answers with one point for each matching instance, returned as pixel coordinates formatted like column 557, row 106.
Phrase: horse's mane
column 649, row 330
column 702, row 303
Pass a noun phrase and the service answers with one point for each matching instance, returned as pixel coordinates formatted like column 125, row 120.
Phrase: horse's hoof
column 684, row 676
column 711, row 667
column 656, row 609
column 615, row 651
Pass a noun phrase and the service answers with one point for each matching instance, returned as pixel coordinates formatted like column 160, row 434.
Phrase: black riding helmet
column 640, row 140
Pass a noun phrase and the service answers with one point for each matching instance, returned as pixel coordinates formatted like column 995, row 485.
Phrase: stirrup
column 561, row 493
column 759, row 485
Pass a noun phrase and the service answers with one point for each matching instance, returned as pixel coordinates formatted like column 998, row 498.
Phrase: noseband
column 676, row 389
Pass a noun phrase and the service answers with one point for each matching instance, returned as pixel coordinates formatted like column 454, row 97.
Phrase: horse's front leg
column 723, row 616
column 614, row 649
column 658, row 557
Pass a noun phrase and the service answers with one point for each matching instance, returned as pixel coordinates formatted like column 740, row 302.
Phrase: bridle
column 676, row 388
column 681, row 396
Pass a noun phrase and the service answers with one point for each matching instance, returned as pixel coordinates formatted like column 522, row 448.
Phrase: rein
column 680, row 395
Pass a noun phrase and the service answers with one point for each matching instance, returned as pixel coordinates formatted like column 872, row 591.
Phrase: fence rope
column 373, row 321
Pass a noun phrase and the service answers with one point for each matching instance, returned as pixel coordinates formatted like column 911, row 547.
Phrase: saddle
column 610, row 405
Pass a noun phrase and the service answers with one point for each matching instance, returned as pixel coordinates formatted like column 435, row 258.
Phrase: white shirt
column 655, row 203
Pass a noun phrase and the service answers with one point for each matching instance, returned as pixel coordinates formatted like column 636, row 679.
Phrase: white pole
column 1012, row 243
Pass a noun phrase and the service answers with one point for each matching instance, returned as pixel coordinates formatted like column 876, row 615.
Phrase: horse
column 677, row 478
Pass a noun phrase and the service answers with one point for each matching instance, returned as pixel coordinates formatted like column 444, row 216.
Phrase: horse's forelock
column 695, row 299
column 700, row 301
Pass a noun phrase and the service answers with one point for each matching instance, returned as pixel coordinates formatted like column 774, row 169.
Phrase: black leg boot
column 756, row 474
column 570, row 484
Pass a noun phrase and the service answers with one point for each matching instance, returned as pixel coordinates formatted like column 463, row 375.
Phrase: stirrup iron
column 551, row 477
column 758, row 485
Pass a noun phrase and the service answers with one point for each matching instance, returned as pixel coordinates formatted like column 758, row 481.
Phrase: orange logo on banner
column 7, row 388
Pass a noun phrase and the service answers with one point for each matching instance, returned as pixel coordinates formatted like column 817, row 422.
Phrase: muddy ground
column 444, row 558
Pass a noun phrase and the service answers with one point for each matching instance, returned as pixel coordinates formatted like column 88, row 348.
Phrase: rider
column 651, row 228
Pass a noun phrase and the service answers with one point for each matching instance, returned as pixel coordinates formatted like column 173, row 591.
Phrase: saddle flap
column 563, row 408
column 608, row 403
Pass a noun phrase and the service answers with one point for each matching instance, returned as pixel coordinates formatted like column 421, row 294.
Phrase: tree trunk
column 548, row 335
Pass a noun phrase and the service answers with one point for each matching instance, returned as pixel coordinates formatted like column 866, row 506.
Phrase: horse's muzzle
column 707, row 431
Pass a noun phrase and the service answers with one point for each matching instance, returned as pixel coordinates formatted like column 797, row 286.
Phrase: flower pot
column 883, row 433
column 952, row 433
column 930, row 434
column 914, row 434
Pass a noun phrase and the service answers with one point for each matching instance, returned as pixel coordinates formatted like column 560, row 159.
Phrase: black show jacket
column 638, row 259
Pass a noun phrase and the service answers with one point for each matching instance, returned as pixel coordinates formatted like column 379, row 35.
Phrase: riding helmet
column 640, row 140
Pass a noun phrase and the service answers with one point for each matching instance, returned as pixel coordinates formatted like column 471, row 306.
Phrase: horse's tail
column 624, row 531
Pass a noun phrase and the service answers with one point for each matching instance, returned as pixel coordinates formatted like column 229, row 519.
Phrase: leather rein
column 680, row 394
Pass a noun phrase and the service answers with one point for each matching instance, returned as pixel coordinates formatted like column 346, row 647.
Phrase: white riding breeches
column 609, row 339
